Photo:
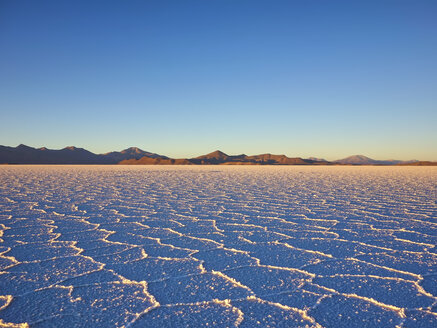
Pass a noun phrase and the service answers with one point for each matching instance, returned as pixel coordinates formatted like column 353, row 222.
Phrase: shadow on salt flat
column 418, row 263
column 262, row 314
column 429, row 283
column 265, row 280
column 6, row 263
column 196, row 288
column 334, row 247
column 128, row 255
column 302, row 298
column 191, row 243
column 281, row 255
column 27, row 232
column 101, row 248
column 392, row 291
column 347, row 312
column 420, row 319
column 72, row 225
column 17, row 240
column 55, row 301
column 62, row 305
column 168, row 251
column 353, row 267
column 151, row 269
column 30, row 276
column 84, row 236
column 160, row 223
column 89, row 278
column 42, row 251
column 416, row 237
column 160, row 231
column 221, row 259
column 195, row 315
column 129, row 238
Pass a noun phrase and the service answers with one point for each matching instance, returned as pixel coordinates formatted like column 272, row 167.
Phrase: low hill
column 357, row 160
column 156, row 161
column 419, row 163
column 363, row 160
column 217, row 157
column 220, row 158
column 278, row 160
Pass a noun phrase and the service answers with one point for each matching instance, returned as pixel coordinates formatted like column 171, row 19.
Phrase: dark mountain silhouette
column 130, row 153
column 23, row 154
column 69, row 155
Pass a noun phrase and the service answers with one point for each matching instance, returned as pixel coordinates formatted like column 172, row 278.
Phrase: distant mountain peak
column 22, row 146
column 360, row 157
column 135, row 150
column 131, row 153
column 218, row 154
column 316, row 159
column 357, row 160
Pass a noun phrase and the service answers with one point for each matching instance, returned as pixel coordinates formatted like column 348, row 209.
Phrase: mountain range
column 23, row 154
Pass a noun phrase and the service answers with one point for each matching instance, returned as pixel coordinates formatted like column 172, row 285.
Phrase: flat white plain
column 183, row 246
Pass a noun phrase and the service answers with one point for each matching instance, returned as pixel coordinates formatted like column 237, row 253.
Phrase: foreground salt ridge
column 315, row 247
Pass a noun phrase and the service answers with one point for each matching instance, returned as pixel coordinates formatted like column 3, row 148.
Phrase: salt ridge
column 234, row 246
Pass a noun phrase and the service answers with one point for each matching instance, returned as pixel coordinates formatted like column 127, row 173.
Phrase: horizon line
column 218, row 150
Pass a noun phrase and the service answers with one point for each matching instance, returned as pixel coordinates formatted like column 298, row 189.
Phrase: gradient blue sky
column 182, row 78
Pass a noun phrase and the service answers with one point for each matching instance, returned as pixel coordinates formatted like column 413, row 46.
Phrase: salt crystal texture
column 148, row 246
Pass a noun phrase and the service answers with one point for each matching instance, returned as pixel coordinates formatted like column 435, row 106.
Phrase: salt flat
column 181, row 246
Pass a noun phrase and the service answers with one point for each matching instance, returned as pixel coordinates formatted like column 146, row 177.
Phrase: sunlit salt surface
column 113, row 246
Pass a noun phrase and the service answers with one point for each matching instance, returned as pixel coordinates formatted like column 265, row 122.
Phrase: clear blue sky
column 182, row 78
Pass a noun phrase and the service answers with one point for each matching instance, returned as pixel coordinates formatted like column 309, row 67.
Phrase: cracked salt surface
column 115, row 246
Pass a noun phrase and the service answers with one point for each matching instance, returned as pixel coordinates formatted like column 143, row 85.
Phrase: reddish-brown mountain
column 156, row 161
column 23, row 154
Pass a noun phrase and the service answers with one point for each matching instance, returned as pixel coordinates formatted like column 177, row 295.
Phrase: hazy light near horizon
column 185, row 78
